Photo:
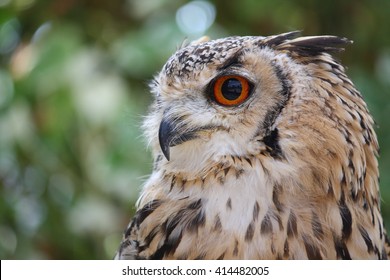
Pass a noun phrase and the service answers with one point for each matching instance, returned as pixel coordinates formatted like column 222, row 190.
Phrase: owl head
column 278, row 97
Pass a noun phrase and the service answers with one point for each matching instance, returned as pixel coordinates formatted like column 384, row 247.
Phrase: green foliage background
column 73, row 90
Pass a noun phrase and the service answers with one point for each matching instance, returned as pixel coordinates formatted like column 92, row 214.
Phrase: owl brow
column 231, row 61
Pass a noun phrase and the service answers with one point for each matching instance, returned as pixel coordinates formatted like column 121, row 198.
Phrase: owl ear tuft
column 314, row 45
column 306, row 45
column 276, row 40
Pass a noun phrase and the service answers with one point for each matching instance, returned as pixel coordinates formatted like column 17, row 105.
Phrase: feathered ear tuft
column 314, row 45
column 276, row 40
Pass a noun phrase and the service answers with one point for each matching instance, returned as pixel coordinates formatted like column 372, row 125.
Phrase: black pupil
column 231, row 89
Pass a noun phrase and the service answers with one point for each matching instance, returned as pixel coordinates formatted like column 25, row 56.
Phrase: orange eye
column 231, row 90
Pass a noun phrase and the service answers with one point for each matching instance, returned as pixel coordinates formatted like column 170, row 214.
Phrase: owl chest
column 233, row 214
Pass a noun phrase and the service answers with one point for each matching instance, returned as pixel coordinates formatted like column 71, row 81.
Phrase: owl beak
column 165, row 135
column 173, row 133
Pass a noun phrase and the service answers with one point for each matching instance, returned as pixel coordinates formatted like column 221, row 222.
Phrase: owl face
column 236, row 97
column 217, row 98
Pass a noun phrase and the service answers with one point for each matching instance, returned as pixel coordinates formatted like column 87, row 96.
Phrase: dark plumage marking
column 286, row 249
column 202, row 180
column 312, row 46
column 364, row 200
column 292, row 229
column 128, row 250
column 316, row 176
column 229, row 204
column 169, row 247
column 279, row 220
column 129, row 228
column 313, row 253
column 173, row 182
column 361, row 181
column 171, row 242
column 148, row 209
column 343, row 181
column 198, row 221
column 217, row 224
column 249, row 161
column 269, row 119
column 250, row 232
column 182, row 257
column 372, row 213
column 271, row 139
column 266, row 225
column 149, row 238
column 183, row 183
column 173, row 233
column 221, row 180
column 256, row 210
column 272, row 143
column 367, row 239
column 346, row 218
column 233, row 61
column 279, row 39
column 235, row 250
column 376, row 251
column 341, row 249
column 221, row 256
column 354, row 194
column 362, row 124
column 384, row 254
column 200, row 256
column 335, row 66
column 317, row 227
column 347, row 136
column 275, row 198
column 157, row 161
column 350, row 163
column 380, row 229
column 330, row 190
column 239, row 172
column 195, row 205
column 286, row 87
column 127, row 243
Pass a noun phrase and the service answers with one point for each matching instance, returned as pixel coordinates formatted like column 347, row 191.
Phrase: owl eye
column 231, row 90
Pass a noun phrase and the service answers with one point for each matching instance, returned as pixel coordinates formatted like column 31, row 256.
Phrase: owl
column 263, row 149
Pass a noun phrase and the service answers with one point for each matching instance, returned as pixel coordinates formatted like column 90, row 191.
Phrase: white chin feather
column 198, row 155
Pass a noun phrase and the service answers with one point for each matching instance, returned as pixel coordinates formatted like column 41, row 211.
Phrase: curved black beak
column 172, row 133
column 165, row 135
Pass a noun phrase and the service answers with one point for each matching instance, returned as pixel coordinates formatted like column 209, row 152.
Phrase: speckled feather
column 291, row 173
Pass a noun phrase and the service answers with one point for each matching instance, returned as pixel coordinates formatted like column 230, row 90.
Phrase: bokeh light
column 195, row 17
column 9, row 36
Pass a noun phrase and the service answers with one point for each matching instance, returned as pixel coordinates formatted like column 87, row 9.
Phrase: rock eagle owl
column 263, row 149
